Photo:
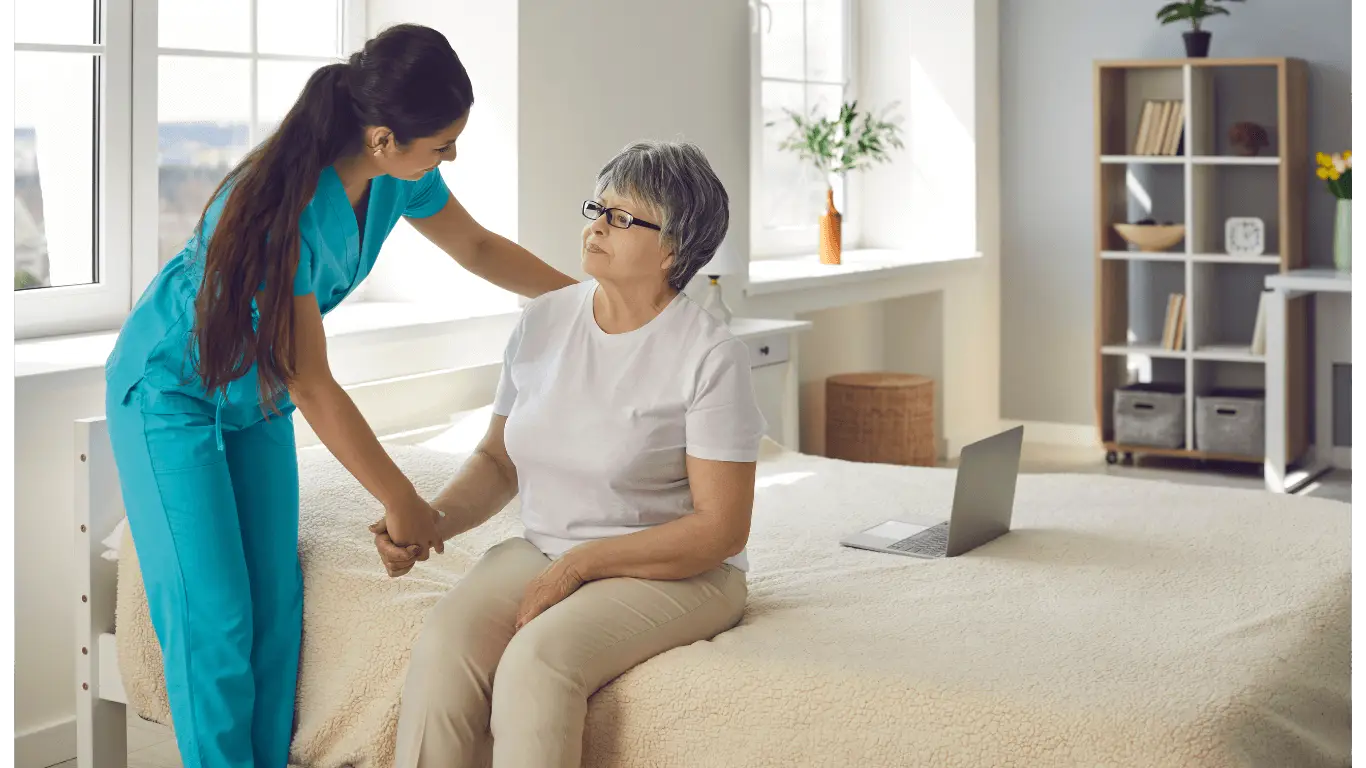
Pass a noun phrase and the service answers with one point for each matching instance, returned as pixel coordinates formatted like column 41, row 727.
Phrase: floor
column 153, row 746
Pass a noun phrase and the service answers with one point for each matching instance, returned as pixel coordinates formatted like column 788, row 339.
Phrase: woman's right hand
column 415, row 523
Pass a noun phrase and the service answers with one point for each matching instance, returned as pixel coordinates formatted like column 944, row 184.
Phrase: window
column 128, row 115
column 72, row 73
column 802, row 62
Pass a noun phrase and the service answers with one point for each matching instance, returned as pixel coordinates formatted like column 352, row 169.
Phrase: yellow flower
column 1333, row 175
column 1324, row 159
column 1322, row 173
column 1347, row 155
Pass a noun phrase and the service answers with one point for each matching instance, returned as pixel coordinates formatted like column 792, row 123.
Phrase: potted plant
column 1337, row 171
column 1194, row 11
column 835, row 146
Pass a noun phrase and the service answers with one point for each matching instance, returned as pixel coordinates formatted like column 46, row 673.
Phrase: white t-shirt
column 598, row 423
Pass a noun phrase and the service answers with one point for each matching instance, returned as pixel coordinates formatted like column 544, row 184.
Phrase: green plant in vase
column 1195, row 12
column 1337, row 171
column 851, row 141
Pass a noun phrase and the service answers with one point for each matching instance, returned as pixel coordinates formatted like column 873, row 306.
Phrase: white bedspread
column 1121, row 623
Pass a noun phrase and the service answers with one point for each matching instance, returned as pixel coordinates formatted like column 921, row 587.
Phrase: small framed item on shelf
column 1245, row 236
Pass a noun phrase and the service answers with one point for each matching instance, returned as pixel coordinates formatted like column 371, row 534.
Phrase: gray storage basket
column 1151, row 415
column 1231, row 422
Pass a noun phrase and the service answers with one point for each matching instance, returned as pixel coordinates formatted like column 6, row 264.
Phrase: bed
column 1120, row 623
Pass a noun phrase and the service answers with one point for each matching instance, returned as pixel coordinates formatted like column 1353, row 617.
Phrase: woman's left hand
column 555, row 583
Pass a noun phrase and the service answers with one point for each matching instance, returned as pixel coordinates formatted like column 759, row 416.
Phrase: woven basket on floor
column 884, row 418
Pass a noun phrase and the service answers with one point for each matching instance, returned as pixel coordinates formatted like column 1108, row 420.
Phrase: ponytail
column 408, row 80
column 256, row 240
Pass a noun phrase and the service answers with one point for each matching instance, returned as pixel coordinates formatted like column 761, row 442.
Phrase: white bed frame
column 402, row 410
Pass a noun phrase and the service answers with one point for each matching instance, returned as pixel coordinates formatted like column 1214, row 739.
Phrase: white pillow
column 463, row 435
column 114, row 541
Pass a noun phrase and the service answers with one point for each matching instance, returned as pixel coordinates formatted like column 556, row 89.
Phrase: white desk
column 1284, row 473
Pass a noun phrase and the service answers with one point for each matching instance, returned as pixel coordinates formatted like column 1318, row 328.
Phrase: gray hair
column 675, row 179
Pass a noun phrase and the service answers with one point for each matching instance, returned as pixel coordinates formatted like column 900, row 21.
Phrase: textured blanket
column 1121, row 623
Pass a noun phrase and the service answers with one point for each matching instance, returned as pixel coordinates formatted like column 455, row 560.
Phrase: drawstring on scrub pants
column 218, row 421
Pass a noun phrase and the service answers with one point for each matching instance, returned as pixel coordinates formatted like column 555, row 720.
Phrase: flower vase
column 1342, row 237
column 830, row 230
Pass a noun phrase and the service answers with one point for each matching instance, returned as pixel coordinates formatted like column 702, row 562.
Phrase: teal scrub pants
column 212, row 496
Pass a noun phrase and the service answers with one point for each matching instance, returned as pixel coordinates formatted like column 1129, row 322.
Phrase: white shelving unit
column 1220, row 289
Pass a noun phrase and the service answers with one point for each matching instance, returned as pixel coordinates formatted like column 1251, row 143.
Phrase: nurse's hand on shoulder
column 414, row 522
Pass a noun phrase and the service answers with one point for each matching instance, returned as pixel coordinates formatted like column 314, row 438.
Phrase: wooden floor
column 152, row 746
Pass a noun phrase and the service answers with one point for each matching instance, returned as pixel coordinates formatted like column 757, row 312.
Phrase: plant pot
column 831, row 233
column 1197, row 44
column 1342, row 237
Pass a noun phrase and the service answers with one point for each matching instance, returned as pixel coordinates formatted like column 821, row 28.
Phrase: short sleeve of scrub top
column 429, row 196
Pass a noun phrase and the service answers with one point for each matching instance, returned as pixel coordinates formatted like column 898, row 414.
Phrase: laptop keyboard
column 931, row 542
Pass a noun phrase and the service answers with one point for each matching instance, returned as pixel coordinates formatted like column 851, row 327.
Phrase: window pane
column 201, row 134
column 55, row 169
column 793, row 193
column 299, row 27
column 64, row 22
column 206, row 25
column 278, row 85
column 825, row 40
column 780, row 41
column 824, row 99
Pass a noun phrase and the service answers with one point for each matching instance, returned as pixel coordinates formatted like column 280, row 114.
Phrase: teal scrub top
column 156, row 346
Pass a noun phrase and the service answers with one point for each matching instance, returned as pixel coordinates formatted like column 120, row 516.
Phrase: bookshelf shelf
column 1228, row 353
column 1224, row 258
column 1143, row 350
column 1141, row 160
column 1189, row 172
column 1235, row 160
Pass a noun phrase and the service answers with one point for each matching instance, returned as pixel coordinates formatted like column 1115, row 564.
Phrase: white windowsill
column 795, row 273
column 385, row 321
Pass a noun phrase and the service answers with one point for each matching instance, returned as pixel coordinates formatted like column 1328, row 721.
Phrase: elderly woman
column 626, row 420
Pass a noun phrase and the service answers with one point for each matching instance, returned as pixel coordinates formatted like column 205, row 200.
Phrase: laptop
column 983, row 499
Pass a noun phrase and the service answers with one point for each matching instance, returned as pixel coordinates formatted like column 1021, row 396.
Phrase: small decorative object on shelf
column 726, row 261
column 1245, row 236
column 1337, row 171
column 1195, row 12
column 1149, row 236
column 1248, row 139
column 835, row 146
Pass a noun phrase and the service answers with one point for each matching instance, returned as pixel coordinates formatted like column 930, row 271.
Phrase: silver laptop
column 983, row 499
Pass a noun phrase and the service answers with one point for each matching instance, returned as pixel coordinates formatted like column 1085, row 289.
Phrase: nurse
column 228, row 340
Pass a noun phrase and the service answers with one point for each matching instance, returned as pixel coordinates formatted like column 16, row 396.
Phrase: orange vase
column 830, row 230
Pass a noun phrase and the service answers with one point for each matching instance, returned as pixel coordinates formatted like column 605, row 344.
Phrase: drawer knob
column 763, row 350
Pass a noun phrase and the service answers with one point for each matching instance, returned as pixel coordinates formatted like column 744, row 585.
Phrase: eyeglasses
column 615, row 216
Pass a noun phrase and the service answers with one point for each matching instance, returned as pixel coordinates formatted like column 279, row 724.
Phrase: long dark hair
column 409, row 80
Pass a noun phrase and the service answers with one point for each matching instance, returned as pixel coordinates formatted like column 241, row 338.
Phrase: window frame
column 128, row 202
column 771, row 242
column 63, row 310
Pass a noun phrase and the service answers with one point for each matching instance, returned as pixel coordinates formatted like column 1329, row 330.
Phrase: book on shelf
column 1144, row 125
column 1179, row 339
column 1161, row 127
column 1258, row 345
column 1174, row 328
column 1175, row 128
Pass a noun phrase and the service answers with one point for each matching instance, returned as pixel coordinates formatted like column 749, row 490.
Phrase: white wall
column 598, row 74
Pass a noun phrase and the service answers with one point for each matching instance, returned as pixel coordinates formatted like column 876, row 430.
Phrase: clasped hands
column 559, row 580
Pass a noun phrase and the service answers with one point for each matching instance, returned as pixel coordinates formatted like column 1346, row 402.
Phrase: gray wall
column 1047, row 176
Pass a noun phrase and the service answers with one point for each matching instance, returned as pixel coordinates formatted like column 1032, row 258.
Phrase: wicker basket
column 883, row 418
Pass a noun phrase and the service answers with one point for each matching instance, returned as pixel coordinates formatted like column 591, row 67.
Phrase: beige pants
column 476, row 693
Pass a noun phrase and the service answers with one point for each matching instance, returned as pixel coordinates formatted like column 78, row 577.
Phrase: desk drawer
column 768, row 350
